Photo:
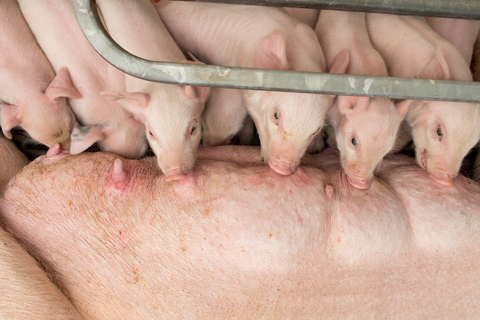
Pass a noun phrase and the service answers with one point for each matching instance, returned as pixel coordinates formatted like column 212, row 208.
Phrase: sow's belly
column 235, row 238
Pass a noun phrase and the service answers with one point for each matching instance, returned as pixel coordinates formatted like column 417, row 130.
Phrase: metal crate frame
column 293, row 81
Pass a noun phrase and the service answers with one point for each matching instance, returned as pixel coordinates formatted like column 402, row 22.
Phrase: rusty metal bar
column 263, row 79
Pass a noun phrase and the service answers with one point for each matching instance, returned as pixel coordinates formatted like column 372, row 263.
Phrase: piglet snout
column 174, row 174
column 359, row 183
column 443, row 178
column 282, row 167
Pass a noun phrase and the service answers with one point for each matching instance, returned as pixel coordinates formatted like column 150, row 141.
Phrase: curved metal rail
column 464, row 9
column 263, row 79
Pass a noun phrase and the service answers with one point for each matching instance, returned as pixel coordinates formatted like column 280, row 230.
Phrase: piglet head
column 286, row 122
column 46, row 116
column 365, row 131
column 172, row 119
column 443, row 133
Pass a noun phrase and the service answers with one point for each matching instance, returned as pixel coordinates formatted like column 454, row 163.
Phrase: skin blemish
column 286, row 135
column 205, row 213
column 135, row 277
column 58, row 134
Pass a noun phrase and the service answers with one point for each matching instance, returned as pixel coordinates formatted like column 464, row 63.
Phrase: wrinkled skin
column 106, row 122
column 29, row 93
column 26, row 290
column 237, row 240
column 258, row 37
column 171, row 113
column 443, row 132
column 365, row 128
column 12, row 161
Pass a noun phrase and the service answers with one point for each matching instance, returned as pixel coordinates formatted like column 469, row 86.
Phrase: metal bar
column 463, row 9
column 262, row 79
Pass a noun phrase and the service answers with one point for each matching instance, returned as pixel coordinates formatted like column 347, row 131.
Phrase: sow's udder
column 109, row 227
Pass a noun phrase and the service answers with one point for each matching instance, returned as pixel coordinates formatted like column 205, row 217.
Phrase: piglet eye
column 354, row 142
column 150, row 133
column 193, row 129
column 276, row 116
column 439, row 133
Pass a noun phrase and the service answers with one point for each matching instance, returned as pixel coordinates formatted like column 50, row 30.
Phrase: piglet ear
column 192, row 92
column 135, row 102
column 200, row 93
column 340, row 62
column 83, row 137
column 352, row 105
column 62, row 87
column 195, row 60
column 271, row 52
column 9, row 119
column 436, row 69
column 402, row 108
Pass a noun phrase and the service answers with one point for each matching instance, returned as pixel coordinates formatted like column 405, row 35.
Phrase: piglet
column 304, row 15
column 443, row 132
column 171, row 113
column 365, row 128
column 31, row 95
column 258, row 37
column 224, row 116
column 108, row 123
column 461, row 32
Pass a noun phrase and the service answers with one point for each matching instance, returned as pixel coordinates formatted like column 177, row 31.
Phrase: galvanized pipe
column 462, row 9
column 263, row 79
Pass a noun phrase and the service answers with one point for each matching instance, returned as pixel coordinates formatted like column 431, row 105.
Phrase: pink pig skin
column 171, row 113
column 57, row 31
column 11, row 162
column 462, row 33
column 26, row 289
column 443, row 132
column 365, row 128
column 27, row 292
column 31, row 96
column 258, row 37
column 224, row 116
column 237, row 240
column 306, row 16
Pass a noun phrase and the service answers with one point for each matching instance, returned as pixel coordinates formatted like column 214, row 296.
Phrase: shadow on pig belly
column 229, row 225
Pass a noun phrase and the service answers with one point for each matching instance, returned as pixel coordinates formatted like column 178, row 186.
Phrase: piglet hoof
column 175, row 174
column 56, row 150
